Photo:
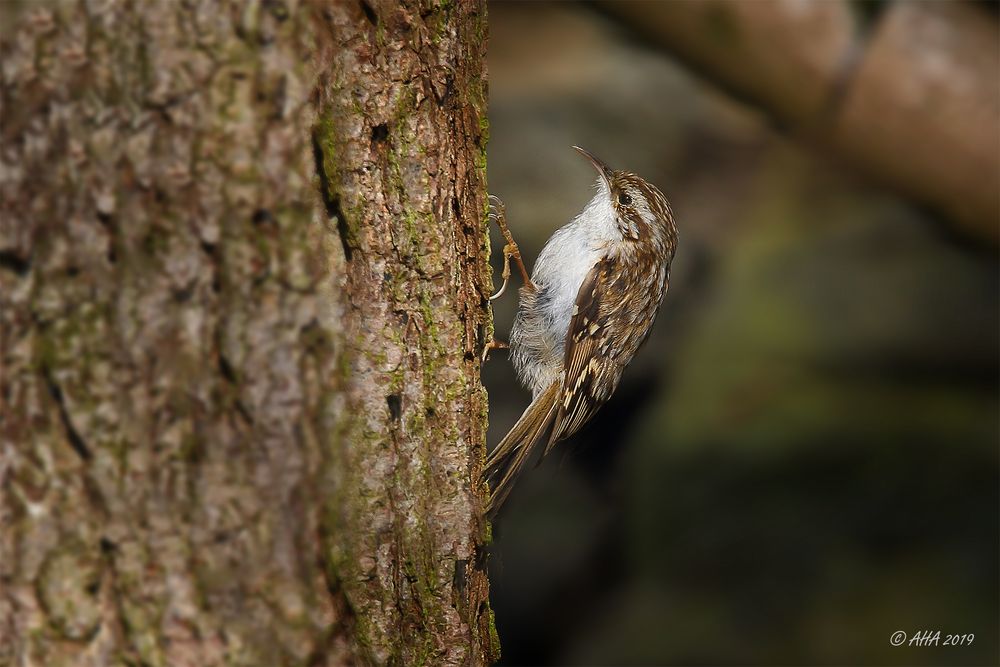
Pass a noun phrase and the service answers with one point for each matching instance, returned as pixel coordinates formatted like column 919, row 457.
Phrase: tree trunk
column 242, row 292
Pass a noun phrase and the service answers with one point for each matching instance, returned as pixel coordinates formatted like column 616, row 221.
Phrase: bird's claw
column 498, row 213
column 493, row 345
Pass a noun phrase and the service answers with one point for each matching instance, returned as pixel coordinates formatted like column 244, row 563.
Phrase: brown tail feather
column 507, row 459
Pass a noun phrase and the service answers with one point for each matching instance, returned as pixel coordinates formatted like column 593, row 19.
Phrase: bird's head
column 640, row 210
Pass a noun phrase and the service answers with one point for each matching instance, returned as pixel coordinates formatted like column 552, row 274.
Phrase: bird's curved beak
column 602, row 169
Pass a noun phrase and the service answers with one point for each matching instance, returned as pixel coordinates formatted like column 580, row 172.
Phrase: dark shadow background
column 804, row 458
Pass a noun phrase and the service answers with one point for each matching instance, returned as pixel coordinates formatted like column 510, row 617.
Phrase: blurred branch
column 915, row 103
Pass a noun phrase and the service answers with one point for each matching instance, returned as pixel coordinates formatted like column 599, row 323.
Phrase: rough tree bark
column 242, row 291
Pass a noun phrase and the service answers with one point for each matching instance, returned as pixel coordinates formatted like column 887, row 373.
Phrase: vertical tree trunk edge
column 401, row 156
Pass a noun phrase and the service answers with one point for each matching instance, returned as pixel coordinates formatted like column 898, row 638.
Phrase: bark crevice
column 73, row 436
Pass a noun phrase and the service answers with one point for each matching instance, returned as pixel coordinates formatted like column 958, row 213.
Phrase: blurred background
column 804, row 457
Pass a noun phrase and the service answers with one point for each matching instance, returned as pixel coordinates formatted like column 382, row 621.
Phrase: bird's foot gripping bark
column 510, row 250
column 493, row 345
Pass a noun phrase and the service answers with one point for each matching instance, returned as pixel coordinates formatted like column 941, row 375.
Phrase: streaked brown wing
column 587, row 363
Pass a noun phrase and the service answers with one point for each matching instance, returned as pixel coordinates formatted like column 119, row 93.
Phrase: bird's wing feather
column 587, row 362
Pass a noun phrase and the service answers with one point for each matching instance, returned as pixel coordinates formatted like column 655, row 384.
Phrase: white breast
column 537, row 339
column 570, row 254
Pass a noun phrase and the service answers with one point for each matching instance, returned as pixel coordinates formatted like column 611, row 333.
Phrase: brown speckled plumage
column 615, row 258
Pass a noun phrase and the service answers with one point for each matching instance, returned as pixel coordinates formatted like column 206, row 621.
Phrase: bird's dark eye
column 624, row 199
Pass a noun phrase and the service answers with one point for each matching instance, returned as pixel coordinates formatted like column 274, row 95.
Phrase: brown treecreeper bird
column 584, row 313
